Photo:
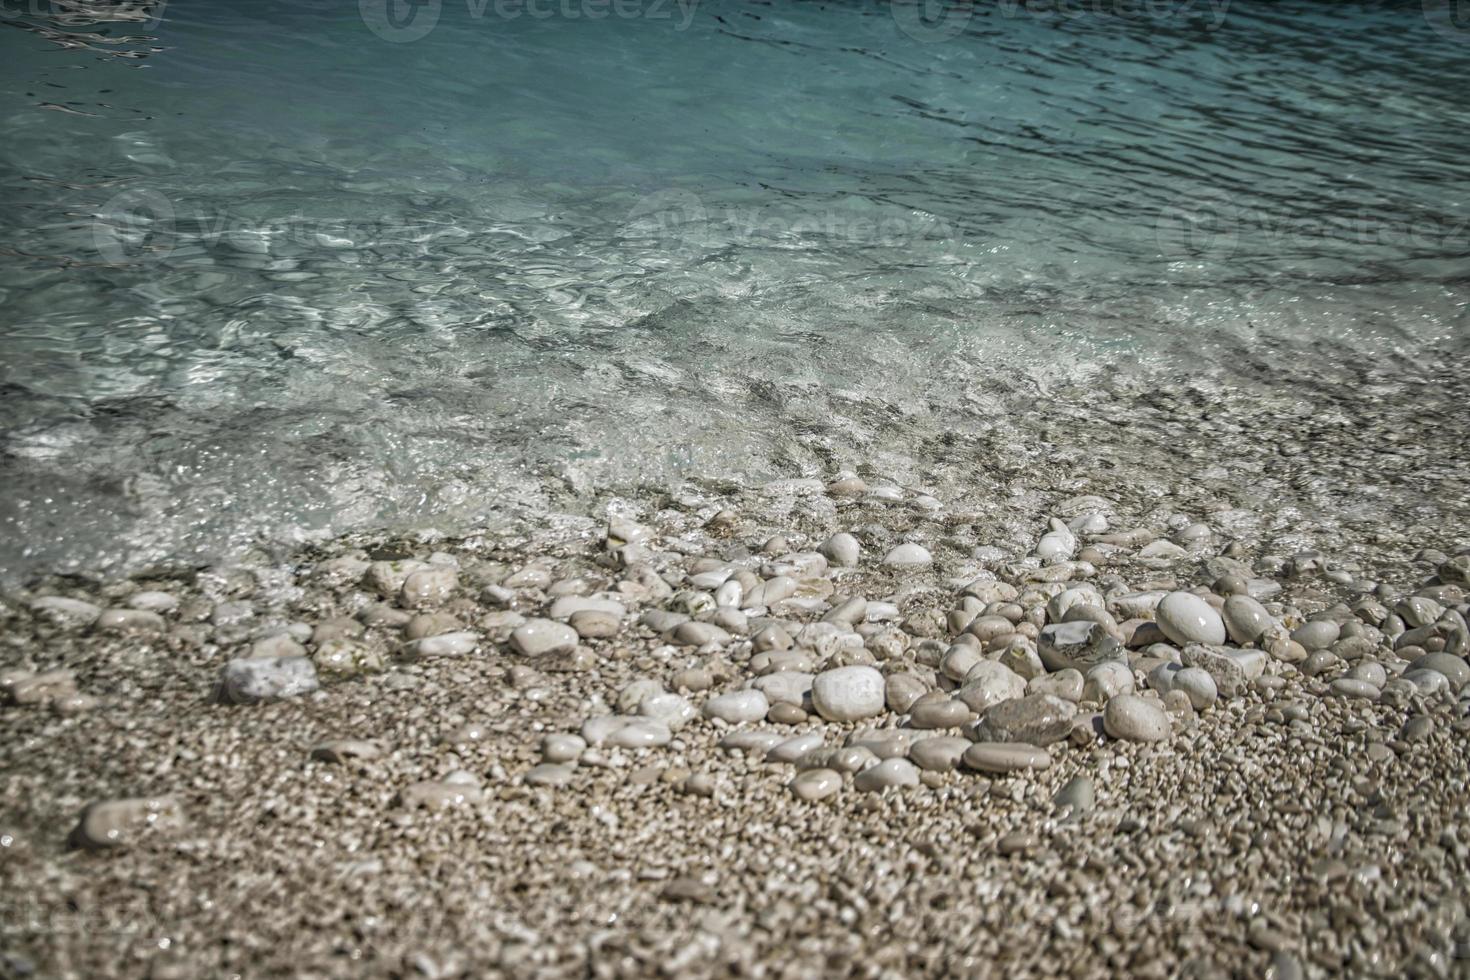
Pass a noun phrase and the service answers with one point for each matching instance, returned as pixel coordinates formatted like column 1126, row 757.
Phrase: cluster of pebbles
column 684, row 741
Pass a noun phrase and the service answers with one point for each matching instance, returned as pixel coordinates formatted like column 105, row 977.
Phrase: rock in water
column 121, row 823
column 541, row 636
column 266, row 679
column 910, row 555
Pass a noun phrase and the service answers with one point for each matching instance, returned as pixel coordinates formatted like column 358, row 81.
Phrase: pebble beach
column 1184, row 696
column 888, row 490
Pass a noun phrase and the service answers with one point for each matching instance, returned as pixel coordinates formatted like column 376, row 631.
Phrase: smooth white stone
column 848, row 693
column 908, row 555
column 542, row 636
column 1135, row 719
column 1186, row 618
column 737, row 706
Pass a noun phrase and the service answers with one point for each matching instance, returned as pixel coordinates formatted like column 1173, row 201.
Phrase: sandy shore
column 1228, row 636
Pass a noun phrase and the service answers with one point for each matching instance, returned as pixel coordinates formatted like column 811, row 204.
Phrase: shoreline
column 648, row 775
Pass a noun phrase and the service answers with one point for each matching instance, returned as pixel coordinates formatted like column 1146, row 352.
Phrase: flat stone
column 693, row 634
column 48, row 687
column 593, row 624
column 1004, row 757
column 550, row 774
column 439, row 794
column 887, row 774
column 737, row 706
column 902, row 690
column 1106, row 681
column 1036, row 719
column 153, row 601
column 1348, row 687
column 792, row 749
column 940, row 714
column 565, row 607
column 344, row 750
column 1195, row 683
column 1077, row 645
column 123, row 823
column 1066, row 684
column 65, row 612
column 457, row 644
column 940, row 753
column 428, row 586
column 639, row 733
column 130, row 621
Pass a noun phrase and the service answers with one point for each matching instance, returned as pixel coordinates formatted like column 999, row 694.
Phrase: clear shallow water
column 269, row 275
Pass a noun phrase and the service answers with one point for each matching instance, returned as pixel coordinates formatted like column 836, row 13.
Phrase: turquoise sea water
column 275, row 270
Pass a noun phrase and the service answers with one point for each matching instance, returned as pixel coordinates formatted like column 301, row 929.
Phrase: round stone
column 1197, row 684
column 1245, row 619
column 849, row 693
column 1186, row 618
column 541, row 636
column 1455, row 669
column 1316, row 635
column 841, row 549
column 816, row 784
column 782, row 713
column 1135, row 719
column 562, row 747
column 902, row 690
column 908, row 555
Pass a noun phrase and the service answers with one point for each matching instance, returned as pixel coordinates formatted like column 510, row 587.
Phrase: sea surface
column 271, row 271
